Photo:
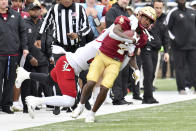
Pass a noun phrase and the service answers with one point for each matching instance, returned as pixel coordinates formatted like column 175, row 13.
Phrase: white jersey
column 81, row 59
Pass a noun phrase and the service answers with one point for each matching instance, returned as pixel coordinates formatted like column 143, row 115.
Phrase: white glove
column 58, row 50
column 136, row 76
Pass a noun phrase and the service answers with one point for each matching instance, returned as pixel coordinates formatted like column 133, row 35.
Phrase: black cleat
column 137, row 98
column 149, row 101
column 7, row 110
column 121, row 102
column 56, row 110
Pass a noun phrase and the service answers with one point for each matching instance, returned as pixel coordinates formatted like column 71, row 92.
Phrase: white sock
column 66, row 101
column 96, row 91
column 81, row 105
column 15, row 103
column 92, row 113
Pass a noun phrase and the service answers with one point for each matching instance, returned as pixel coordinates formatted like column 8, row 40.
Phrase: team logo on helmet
column 121, row 20
column 149, row 12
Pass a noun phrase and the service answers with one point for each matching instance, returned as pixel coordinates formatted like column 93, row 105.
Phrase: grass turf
column 179, row 116
column 166, row 84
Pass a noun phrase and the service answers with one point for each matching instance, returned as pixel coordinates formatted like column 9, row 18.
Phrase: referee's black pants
column 7, row 79
column 149, row 62
column 181, row 58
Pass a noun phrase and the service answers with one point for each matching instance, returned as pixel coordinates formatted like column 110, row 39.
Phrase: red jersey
column 114, row 48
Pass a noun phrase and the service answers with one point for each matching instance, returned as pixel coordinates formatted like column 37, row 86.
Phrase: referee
column 70, row 23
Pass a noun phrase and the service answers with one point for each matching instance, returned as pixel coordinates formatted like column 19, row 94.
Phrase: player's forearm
column 118, row 35
column 118, row 31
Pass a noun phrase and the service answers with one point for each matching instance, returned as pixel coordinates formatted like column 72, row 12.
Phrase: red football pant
column 63, row 74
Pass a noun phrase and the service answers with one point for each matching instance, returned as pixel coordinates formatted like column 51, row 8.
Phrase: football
column 129, row 33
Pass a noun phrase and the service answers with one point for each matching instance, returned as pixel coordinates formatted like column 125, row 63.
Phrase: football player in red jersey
column 109, row 59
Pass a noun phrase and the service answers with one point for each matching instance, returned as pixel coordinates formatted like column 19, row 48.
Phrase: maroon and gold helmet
column 149, row 12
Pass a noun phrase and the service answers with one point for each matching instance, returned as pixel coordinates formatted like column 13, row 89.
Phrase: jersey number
column 65, row 66
column 122, row 49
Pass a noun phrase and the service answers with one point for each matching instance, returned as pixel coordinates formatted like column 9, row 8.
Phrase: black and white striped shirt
column 66, row 20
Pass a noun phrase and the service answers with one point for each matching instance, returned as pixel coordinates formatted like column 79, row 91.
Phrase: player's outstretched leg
column 86, row 91
column 22, row 75
column 32, row 102
column 99, row 101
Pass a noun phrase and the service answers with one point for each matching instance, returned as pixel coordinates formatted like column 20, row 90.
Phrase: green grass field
column 166, row 84
column 179, row 116
column 172, row 117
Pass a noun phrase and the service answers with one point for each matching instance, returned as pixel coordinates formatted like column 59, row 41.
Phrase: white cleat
column 77, row 111
column 90, row 118
column 32, row 102
column 22, row 75
column 188, row 91
column 16, row 108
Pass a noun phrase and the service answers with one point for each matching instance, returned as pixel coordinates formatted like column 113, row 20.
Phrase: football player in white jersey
column 63, row 74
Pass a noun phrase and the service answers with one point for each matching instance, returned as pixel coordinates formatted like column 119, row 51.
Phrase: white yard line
column 19, row 120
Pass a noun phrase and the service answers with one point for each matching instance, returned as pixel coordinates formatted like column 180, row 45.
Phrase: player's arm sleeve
column 123, row 23
column 116, row 37
column 46, row 23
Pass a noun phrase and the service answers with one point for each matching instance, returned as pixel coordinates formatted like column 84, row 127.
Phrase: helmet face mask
column 144, row 22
